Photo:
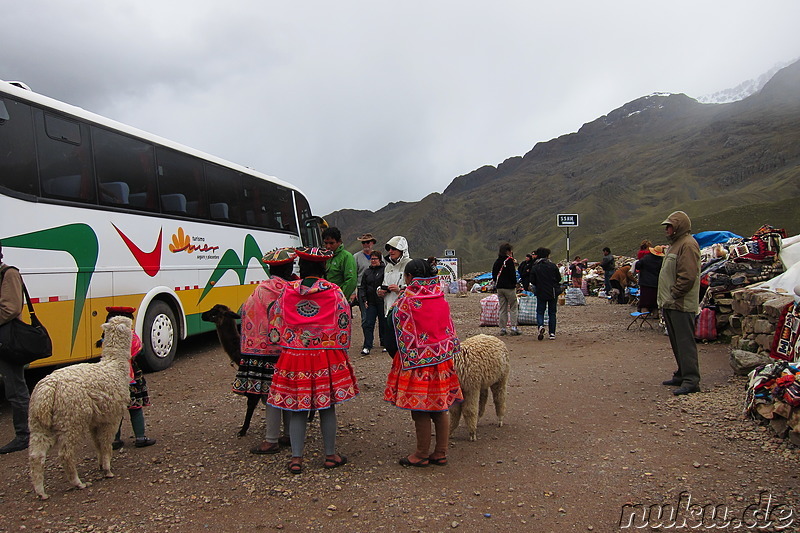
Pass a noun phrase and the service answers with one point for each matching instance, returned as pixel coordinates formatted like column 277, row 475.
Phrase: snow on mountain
column 744, row 89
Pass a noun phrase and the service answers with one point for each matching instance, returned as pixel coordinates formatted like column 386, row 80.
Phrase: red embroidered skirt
column 312, row 379
column 426, row 388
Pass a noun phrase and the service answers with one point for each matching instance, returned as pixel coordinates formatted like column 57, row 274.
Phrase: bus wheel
column 160, row 337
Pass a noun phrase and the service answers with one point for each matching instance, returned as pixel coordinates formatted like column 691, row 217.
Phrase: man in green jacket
column 679, row 300
column 341, row 269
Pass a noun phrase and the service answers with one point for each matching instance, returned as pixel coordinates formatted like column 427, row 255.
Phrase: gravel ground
column 589, row 430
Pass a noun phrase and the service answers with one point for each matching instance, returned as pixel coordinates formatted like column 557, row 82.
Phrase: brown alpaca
column 229, row 337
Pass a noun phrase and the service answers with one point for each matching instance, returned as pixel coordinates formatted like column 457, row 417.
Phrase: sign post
column 567, row 221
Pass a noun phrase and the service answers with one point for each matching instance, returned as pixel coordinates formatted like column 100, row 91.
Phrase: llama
column 482, row 364
column 228, row 333
column 88, row 397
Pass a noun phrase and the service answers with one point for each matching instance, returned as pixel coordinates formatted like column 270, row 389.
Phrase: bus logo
column 181, row 242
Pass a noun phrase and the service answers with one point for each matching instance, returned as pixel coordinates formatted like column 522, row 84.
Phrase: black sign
column 567, row 221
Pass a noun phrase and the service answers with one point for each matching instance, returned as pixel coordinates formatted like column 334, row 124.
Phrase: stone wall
column 755, row 315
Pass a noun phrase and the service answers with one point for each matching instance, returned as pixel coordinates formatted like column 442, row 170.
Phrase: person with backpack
column 504, row 275
column 17, row 394
column 547, row 280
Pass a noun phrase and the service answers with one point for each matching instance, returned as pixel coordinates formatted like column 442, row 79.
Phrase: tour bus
column 95, row 213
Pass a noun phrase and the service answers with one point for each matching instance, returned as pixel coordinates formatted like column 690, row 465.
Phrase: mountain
column 732, row 166
column 743, row 90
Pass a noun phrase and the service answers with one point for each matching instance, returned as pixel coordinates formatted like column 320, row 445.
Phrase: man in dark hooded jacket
column 547, row 280
column 679, row 300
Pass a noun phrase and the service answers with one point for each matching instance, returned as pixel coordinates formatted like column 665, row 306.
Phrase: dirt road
column 589, row 430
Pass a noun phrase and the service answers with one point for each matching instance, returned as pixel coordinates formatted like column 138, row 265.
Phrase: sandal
column 333, row 463
column 295, row 468
column 405, row 461
column 284, row 441
column 439, row 461
column 270, row 448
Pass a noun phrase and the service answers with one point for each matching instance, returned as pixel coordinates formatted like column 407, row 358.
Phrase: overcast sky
column 364, row 103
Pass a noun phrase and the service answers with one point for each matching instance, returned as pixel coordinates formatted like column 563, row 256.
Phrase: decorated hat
column 120, row 311
column 657, row 250
column 279, row 256
column 367, row 237
column 313, row 254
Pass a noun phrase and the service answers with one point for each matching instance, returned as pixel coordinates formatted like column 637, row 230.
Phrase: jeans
column 607, row 279
column 550, row 305
column 368, row 318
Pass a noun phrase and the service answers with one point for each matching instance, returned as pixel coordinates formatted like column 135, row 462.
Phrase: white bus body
column 95, row 213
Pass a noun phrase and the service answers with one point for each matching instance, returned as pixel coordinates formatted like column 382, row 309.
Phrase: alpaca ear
column 106, row 326
column 231, row 314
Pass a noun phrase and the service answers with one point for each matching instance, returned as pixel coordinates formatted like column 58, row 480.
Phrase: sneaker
column 541, row 333
column 144, row 441
column 515, row 331
column 552, row 336
column 383, row 350
column 365, row 351
column 503, row 332
column 16, row 445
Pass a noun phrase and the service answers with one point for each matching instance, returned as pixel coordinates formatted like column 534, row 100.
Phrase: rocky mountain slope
column 730, row 166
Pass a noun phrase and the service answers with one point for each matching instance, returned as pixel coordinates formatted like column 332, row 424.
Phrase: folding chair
column 633, row 295
column 642, row 318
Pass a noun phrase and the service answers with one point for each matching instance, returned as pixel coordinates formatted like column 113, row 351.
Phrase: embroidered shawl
column 423, row 325
column 311, row 318
column 255, row 328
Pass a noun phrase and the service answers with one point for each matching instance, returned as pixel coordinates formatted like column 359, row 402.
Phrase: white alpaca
column 71, row 401
column 482, row 364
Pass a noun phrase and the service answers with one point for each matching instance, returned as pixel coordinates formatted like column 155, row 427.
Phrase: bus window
column 283, row 209
column 180, row 184
column 119, row 158
column 65, row 158
column 222, row 185
column 18, row 163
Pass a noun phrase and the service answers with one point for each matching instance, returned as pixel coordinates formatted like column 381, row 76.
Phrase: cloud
column 360, row 104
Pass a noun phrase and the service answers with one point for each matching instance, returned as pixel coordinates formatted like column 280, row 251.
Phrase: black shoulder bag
column 22, row 343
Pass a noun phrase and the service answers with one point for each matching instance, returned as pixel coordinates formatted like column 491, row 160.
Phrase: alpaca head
column 218, row 314
column 117, row 336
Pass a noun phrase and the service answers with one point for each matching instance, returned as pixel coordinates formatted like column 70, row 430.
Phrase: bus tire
column 160, row 337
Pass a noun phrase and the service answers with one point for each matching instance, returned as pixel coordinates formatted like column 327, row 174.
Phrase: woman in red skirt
column 311, row 322
column 423, row 379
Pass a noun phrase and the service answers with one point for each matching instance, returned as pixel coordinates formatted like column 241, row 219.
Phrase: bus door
column 95, row 308
column 311, row 231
